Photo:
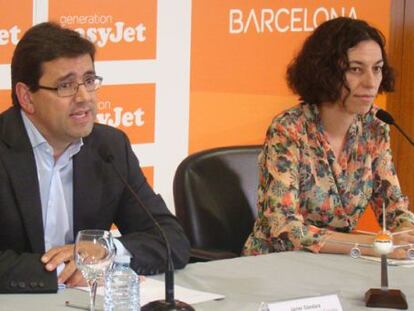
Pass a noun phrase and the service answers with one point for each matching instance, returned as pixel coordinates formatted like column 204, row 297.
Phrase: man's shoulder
column 11, row 112
column 106, row 132
column 12, row 131
column 105, row 140
column 104, row 135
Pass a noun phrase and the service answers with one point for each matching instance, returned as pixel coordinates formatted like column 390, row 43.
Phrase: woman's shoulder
column 290, row 122
column 377, row 129
column 290, row 117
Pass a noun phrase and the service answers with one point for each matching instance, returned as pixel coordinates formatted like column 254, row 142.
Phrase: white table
column 247, row 281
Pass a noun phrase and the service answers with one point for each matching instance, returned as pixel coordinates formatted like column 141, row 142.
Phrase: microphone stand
column 169, row 304
column 403, row 133
column 387, row 118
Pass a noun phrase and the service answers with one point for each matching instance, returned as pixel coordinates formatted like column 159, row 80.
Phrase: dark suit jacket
column 100, row 199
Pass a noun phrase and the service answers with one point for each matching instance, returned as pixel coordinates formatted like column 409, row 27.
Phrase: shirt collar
column 37, row 139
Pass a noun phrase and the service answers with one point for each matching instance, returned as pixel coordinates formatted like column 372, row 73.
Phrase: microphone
column 387, row 118
column 169, row 304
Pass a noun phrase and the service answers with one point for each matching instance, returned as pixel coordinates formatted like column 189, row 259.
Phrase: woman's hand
column 402, row 236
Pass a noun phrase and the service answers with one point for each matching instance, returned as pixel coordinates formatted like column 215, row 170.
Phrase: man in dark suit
column 54, row 177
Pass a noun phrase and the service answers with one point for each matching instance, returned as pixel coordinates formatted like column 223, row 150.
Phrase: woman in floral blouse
column 326, row 159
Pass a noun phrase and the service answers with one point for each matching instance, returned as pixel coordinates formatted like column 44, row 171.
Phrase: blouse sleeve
column 386, row 187
column 280, row 225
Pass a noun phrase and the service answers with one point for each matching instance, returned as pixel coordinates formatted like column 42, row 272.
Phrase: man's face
column 363, row 77
column 62, row 120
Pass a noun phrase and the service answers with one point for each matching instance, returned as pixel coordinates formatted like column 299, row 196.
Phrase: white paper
column 151, row 290
column 319, row 303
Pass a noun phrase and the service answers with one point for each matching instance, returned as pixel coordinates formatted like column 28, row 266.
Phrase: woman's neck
column 335, row 119
column 336, row 122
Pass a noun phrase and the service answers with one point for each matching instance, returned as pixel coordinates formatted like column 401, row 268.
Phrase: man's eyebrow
column 69, row 75
column 89, row 72
column 73, row 75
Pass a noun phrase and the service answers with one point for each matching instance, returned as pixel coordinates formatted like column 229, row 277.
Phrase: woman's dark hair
column 42, row 43
column 317, row 73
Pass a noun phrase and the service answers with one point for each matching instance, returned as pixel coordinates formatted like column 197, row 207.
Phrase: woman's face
column 363, row 77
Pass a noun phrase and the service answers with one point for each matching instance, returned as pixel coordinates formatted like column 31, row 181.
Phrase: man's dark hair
column 317, row 73
column 42, row 43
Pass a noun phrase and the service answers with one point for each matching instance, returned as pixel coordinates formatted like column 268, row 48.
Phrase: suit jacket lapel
column 20, row 164
column 87, row 186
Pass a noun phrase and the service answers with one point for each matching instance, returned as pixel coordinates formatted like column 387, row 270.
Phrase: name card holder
column 318, row 303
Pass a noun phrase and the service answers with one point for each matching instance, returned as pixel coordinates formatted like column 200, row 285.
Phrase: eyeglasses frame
column 100, row 79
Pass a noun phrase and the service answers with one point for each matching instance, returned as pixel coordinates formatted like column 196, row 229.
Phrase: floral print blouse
column 305, row 192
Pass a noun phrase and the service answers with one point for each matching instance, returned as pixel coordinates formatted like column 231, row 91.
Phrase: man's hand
column 63, row 255
column 76, row 279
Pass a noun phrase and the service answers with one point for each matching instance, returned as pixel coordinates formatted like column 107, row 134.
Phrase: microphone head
column 105, row 153
column 385, row 117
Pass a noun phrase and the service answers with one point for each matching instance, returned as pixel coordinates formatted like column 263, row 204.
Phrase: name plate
column 319, row 303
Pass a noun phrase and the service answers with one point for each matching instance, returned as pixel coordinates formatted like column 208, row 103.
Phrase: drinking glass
column 94, row 253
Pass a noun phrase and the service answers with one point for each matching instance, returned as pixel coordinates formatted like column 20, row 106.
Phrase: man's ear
column 25, row 98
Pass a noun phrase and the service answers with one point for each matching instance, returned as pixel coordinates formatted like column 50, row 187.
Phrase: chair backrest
column 215, row 193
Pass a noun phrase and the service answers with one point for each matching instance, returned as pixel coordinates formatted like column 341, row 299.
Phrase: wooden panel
column 401, row 103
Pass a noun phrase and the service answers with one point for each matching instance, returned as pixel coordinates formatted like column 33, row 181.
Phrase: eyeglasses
column 70, row 88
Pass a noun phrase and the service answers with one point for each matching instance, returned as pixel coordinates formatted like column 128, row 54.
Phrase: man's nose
column 82, row 94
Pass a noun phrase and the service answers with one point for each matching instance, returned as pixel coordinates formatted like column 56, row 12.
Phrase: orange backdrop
column 13, row 26
column 239, row 53
column 238, row 56
column 5, row 99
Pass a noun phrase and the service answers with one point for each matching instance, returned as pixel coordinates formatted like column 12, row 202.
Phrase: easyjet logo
column 119, row 117
column 130, row 108
column 117, row 32
column 101, row 36
column 101, row 29
column 10, row 35
column 15, row 18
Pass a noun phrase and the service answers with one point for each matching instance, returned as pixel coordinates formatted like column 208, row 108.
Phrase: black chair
column 215, row 194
